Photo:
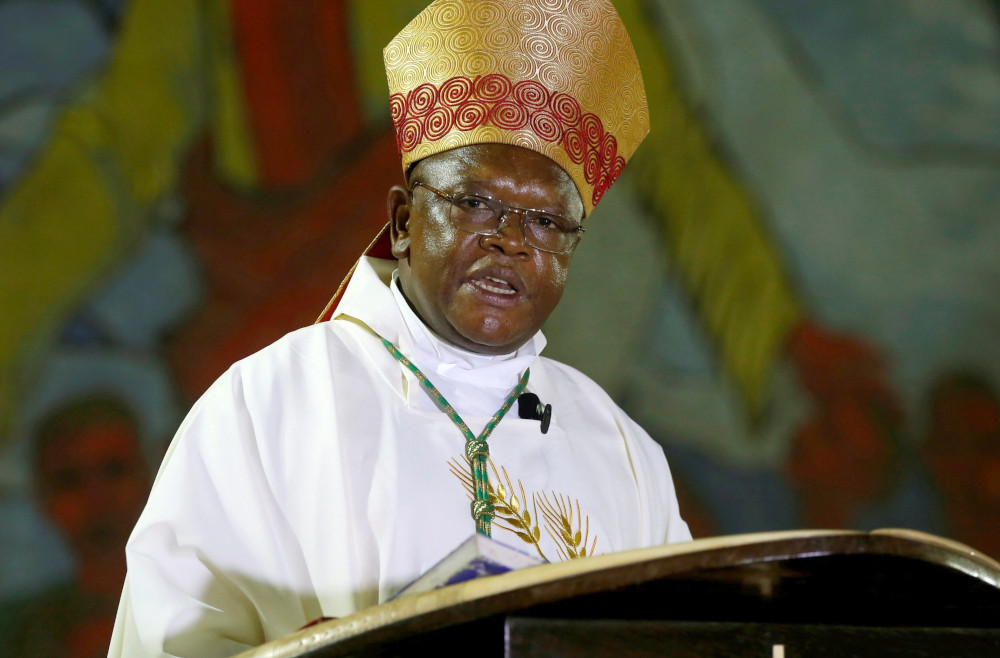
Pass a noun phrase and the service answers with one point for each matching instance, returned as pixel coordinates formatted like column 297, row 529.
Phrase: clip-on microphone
column 530, row 407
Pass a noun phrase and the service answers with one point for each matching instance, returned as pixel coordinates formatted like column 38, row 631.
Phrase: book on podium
column 822, row 594
column 475, row 557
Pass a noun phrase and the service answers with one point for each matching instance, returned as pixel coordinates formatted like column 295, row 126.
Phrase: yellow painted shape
column 714, row 236
column 374, row 24
column 84, row 205
column 234, row 149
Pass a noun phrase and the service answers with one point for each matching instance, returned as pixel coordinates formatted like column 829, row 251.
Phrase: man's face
column 486, row 294
column 93, row 484
column 964, row 450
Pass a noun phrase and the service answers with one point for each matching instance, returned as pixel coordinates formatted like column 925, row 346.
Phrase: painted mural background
column 795, row 287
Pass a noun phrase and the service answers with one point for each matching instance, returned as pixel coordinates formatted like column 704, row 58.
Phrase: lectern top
column 888, row 577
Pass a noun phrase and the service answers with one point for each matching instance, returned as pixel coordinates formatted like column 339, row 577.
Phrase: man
column 324, row 473
column 91, row 480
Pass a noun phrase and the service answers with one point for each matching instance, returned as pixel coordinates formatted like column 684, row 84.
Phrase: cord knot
column 477, row 448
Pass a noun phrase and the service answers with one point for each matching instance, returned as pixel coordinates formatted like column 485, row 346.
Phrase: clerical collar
column 475, row 384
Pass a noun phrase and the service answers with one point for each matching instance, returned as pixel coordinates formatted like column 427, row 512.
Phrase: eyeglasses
column 484, row 215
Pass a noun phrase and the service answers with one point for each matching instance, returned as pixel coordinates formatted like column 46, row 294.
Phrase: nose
column 509, row 237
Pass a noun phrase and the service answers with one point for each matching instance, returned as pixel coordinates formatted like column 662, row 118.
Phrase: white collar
column 473, row 383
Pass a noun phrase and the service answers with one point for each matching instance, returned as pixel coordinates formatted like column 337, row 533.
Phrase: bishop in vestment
column 322, row 474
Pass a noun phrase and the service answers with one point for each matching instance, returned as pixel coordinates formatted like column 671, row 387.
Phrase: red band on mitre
column 429, row 112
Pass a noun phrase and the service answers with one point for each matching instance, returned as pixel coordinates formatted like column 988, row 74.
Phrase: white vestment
column 313, row 479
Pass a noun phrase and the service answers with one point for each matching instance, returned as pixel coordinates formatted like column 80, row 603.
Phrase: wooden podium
column 817, row 594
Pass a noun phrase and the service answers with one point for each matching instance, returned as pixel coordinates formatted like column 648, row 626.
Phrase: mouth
column 500, row 286
column 494, row 285
column 105, row 533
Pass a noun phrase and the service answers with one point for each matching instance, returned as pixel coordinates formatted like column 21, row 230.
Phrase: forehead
column 96, row 436
column 511, row 173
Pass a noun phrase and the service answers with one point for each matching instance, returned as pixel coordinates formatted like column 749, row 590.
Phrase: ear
column 398, row 206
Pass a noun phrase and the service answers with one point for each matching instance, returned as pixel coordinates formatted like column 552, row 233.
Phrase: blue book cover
column 475, row 557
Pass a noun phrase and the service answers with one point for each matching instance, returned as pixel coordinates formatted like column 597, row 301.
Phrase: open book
column 475, row 557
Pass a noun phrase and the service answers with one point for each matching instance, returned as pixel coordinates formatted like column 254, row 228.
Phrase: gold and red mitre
column 559, row 77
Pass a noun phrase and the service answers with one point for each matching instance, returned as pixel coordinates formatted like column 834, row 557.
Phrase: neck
column 474, row 383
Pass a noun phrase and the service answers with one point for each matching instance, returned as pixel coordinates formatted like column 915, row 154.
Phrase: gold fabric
column 557, row 76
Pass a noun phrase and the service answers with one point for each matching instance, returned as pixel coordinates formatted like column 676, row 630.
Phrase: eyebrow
column 560, row 208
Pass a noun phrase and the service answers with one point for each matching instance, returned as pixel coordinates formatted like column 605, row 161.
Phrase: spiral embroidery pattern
column 429, row 112
column 556, row 76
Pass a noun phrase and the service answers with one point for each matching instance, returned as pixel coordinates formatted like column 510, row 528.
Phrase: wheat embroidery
column 559, row 517
column 512, row 515
column 506, row 505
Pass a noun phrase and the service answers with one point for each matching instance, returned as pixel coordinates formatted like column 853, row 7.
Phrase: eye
column 470, row 203
column 66, row 480
column 552, row 223
column 114, row 469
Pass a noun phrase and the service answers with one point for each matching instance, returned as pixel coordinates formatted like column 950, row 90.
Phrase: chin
column 497, row 336
column 486, row 346
column 488, row 343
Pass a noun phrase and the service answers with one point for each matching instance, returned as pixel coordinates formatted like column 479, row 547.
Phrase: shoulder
column 323, row 341
column 573, row 389
column 584, row 399
column 549, row 372
column 324, row 351
column 291, row 380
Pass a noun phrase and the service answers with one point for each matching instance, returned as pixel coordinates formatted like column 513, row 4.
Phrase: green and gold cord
column 477, row 450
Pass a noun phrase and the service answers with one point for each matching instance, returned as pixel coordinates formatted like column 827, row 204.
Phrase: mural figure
column 962, row 454
column 91, row 481
column 844, row 458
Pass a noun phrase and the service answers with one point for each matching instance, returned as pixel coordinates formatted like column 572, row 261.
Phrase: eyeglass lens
column 544, row 231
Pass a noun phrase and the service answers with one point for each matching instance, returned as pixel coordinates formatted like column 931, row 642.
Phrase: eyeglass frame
column 505, row 209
